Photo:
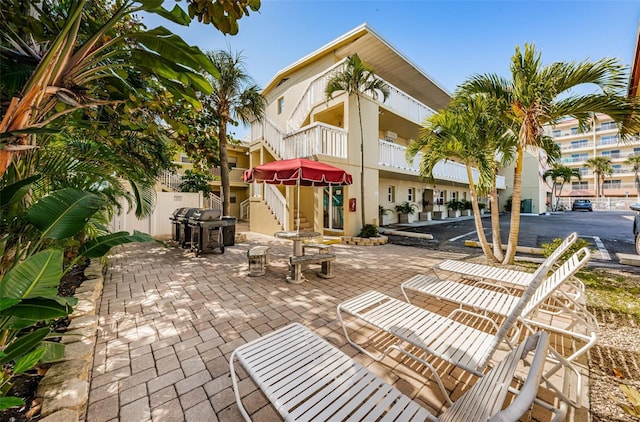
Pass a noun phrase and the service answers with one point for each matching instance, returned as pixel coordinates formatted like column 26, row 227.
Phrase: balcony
column 235, row 176
column 315, row 139
column 575, row 147
column 393, row 156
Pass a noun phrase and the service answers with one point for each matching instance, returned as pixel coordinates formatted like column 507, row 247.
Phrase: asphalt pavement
column 608, row 233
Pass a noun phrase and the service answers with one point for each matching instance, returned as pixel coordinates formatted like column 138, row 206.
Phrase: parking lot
column 608, row 232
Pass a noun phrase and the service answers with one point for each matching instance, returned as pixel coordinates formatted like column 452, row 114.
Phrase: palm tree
column 466, row 131
column 87, row 63
column 358, row 78
column 538, row 95
column 634, row 160
column 560, row 175
column 601, row 168
column 236, row 99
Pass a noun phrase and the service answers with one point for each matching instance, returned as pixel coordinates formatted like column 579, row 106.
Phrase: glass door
column 333, row 204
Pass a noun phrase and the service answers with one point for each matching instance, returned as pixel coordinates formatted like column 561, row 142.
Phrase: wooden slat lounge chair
column 308, row 379
column 447, row 337
column 520, row 279
column 581, row 324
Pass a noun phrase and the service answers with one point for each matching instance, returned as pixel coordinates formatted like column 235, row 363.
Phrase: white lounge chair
column 449, row 338
column 520, row 279
column 579, row 323
column 306, row 379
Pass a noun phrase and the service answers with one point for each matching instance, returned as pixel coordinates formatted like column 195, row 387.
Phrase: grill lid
column 208, row 214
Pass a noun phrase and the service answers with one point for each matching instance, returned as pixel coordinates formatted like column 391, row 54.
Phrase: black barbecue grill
column 207, row 231
column 184, row 239
column 175, row 224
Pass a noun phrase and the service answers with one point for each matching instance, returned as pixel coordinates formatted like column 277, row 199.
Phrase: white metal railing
column 397, row 101
column 213, row 201
column 604, row 204
column 278, row 204
column 171, row 179
column 407, row 106
column 244, row 209
column 314, row 94
column 317, row 138
column 581, row 145
column 393, row 155
column 270, row 133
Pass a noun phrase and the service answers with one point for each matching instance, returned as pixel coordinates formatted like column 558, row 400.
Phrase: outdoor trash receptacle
column 229, row 230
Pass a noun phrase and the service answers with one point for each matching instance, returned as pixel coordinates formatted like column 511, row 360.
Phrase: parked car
column 636, row 226
column 581, row 204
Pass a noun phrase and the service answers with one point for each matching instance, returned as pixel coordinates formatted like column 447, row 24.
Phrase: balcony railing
column 569, row 147
column 317, row 138
column 235, row 173
column 397, row 101
column 393, row 156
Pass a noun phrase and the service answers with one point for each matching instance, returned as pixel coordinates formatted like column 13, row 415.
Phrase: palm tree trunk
column 637, row 180
column 224, row 167
column 361, row 162
column 496, row 238
column 484, row 244
column 558, row 196
column 514, row 226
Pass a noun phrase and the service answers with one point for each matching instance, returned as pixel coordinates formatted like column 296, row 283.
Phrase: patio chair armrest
column 493, row 285
column 475, row 315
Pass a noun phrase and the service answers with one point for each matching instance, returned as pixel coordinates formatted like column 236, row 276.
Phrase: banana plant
column 29, row 290
column 78, row 70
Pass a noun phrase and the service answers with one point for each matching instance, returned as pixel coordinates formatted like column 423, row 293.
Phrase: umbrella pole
column 298, row 211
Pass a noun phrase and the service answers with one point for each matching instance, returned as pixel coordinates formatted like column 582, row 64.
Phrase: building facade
column 301, row 122
column 600, row 140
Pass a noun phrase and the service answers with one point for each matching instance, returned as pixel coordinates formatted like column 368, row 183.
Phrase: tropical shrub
column 548, row 248
column 369, row 230
column 406, row 207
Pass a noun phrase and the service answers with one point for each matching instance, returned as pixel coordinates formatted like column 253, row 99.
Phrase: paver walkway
column 169, row 321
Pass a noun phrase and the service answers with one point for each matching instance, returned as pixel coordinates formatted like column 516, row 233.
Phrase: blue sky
column 449, row 40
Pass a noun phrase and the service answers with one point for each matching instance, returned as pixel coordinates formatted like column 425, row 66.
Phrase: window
column 184, row 158
column 438, row 197
column 636, row 151
column 233, row 198
column 617, row 168
column 411, row 194
column 609, row 140
column 607, row 125
column 280, row 105
column 585, row 171
column 582, row 143
column 557, row 133
column 574, row 130
column 576, row 158
column 614, row 153
column 391, row 194
column 233, row 162
column 582, row 185
column 612, row 184
column 454, row 196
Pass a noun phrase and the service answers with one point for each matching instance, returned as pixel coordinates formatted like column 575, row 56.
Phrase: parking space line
column 453, row 239
column 601, row 248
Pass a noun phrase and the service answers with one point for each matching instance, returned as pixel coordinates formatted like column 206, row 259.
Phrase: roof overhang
column 388, row 63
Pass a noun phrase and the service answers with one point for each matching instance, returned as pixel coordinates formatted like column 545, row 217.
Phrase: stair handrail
column 314, row 93
column 278, row 204
column 215, row 202
column 171, row 179
column 244, row 209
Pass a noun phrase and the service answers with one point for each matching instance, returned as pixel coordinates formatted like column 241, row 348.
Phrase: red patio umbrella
column 300, row 172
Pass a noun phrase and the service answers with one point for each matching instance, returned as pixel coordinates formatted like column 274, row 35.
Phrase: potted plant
column 383, row 213
column 466, row 207
column 405, row 211
column 454, row 208
column 482, row 207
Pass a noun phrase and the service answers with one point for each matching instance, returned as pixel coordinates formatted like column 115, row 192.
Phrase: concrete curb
column 65, row 396
column 407, row 234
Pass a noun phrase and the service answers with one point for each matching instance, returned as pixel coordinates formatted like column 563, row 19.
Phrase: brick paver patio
column 169, row 321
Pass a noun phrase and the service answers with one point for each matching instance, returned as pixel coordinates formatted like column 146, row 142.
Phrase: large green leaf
column 64, row 213
column 23, row 345
column 54, row 352
column 9, row 402
column 28, row 361
column 100, row 246
column 39, row 275
column 15, row 192
column 38, row 309
column 176, row 15
column 7, row 303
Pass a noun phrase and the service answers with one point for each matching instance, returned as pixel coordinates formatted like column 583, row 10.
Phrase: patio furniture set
column 306, row 378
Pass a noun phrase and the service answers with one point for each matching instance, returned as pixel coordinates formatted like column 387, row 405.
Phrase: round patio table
column 297, row 237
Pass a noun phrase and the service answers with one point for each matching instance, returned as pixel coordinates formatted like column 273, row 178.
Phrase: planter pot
column 467, row 212
column 482, row 211
column 424, row 216
column 439, row 215
column 385, row 219
column 405, row 218
column 454, row 213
